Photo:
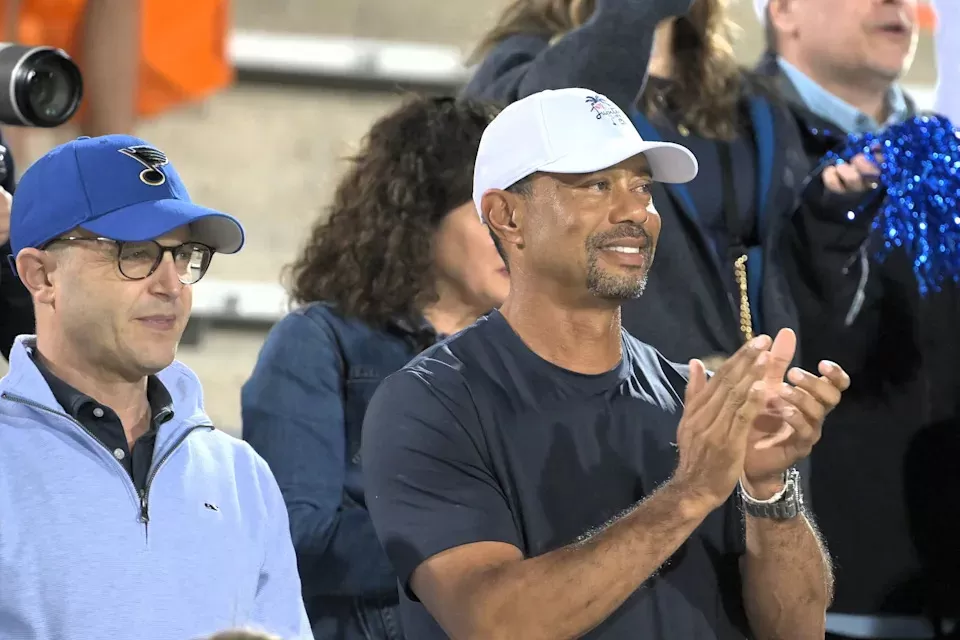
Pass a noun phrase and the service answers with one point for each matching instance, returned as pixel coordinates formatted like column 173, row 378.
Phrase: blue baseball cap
column 118, row 187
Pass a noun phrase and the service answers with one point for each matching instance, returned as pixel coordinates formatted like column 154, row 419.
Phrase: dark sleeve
column 10, row 179
column 832, row 275
column 428, row 487
column 16, row 306
column 608, row 54
column 293, row 417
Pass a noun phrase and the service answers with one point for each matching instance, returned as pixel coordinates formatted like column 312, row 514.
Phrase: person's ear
column 503, row 212
column 38, row 272
column 782, row 15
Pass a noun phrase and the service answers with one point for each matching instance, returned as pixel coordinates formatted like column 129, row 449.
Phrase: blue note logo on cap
column 150, row 158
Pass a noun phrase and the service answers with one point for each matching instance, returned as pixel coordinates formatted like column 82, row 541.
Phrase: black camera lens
column 50, row 90
column 43, row 86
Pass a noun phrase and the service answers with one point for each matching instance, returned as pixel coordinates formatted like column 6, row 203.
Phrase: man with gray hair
column 838, row 65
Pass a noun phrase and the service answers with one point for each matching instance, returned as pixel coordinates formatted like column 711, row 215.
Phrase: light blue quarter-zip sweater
column 206, row 547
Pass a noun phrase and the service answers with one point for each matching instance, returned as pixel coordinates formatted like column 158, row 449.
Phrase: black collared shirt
column 104, row 424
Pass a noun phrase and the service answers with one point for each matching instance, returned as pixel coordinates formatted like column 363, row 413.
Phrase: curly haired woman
column 401, row 260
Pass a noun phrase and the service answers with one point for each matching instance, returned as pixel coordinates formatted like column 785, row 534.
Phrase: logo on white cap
column 571, row 131
column 602, row 107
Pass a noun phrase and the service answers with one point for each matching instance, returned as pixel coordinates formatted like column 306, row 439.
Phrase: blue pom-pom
column 921, row 187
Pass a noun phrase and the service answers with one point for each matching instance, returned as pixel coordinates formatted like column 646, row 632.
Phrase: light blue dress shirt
column 843, row 114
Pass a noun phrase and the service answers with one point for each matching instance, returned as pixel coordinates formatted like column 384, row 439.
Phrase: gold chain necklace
column 746, row 319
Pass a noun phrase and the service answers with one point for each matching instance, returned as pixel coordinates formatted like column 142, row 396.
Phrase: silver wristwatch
column 785, row 504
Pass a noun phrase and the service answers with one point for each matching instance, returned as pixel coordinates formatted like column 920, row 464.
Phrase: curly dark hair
column 372, row 256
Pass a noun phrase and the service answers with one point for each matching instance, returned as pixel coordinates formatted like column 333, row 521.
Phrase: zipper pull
column 144, row 507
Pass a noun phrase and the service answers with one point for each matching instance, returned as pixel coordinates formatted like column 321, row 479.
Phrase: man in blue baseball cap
column 126, row 513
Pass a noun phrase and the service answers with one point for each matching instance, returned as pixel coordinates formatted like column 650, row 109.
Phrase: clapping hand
column 746, row 423
column 792, row 419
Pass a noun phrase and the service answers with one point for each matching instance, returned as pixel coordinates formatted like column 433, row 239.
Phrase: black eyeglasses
column 138, row 260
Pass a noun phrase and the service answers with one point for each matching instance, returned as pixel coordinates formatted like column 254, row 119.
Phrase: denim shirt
column 303, row 408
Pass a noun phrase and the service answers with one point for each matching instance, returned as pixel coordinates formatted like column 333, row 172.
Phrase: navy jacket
column 889, row 450
column 303, row 409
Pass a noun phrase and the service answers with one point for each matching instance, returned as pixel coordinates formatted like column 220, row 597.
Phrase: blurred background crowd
column 260, row 103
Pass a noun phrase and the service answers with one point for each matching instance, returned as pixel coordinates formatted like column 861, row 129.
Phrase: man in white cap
column 544, row 474
column 838, row 66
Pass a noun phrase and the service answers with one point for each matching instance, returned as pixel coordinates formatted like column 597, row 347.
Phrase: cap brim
column 669, row 162
column 154, row 218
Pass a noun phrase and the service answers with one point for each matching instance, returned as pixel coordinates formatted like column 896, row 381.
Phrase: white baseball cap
column 568, row 131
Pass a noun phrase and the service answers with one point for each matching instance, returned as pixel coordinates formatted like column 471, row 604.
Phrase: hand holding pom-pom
column 919, row 161
column 858, row 175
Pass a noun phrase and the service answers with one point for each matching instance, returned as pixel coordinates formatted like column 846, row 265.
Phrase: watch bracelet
column 788, row 506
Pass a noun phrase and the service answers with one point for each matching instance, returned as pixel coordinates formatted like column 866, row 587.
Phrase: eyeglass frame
column 163, row 252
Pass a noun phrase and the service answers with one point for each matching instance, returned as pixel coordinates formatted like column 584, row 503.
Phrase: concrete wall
column 270, row 154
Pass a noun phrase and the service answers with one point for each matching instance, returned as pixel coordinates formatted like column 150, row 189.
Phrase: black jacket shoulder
column 16, row 306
